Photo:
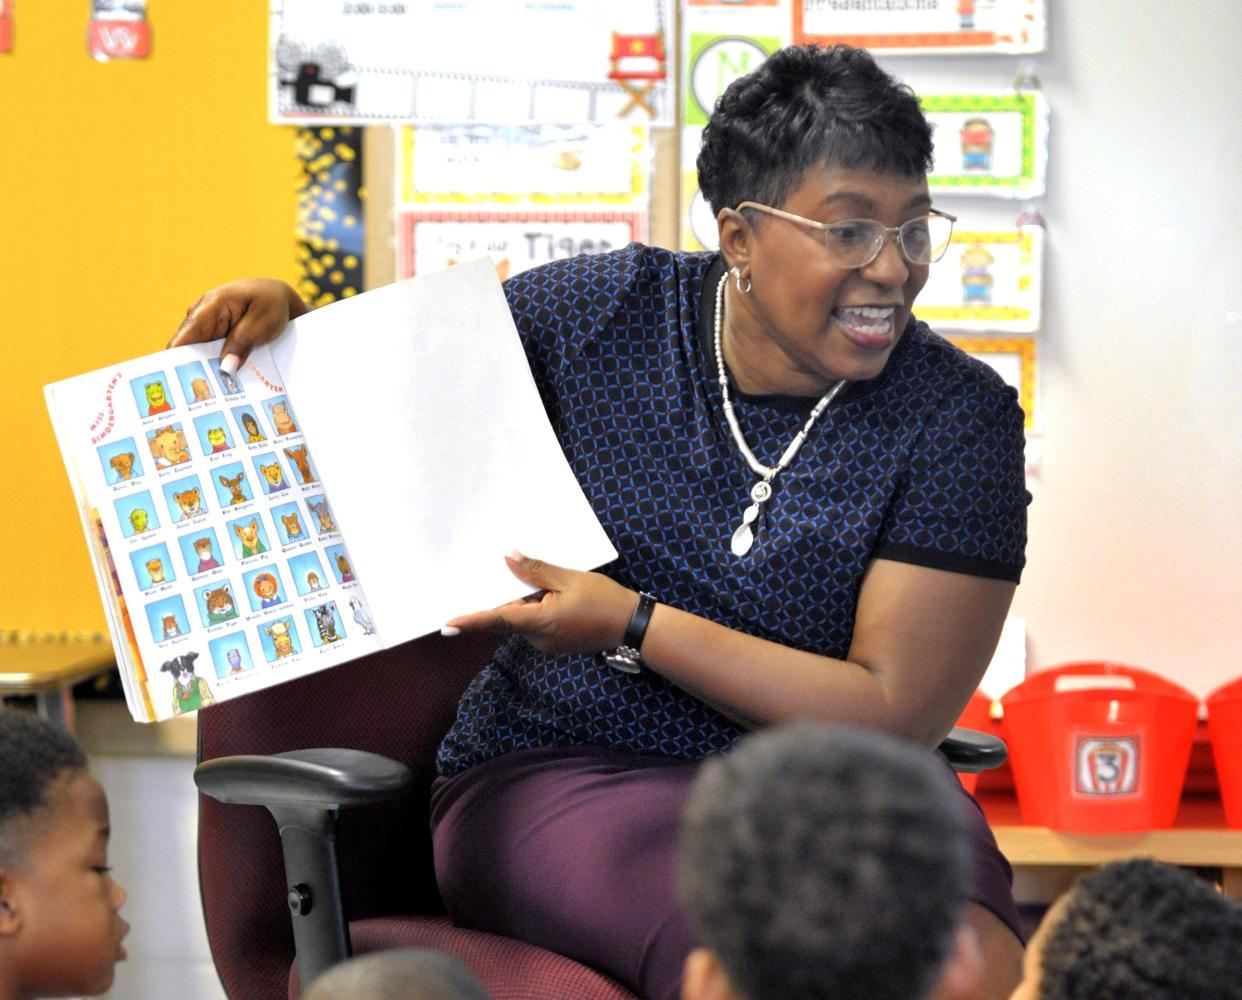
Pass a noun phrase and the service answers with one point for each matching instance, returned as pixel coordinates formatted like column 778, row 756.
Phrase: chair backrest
column 398, row 702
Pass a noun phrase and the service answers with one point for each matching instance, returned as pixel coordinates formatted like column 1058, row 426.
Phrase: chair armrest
column 328, row 778
column 970, row 751
column 304, row 790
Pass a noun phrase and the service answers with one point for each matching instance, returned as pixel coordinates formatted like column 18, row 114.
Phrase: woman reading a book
column 819, row 507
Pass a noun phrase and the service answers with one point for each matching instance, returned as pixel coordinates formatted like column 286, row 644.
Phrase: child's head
column 823, row 861
column 1136, row 929
column 401, row 974
column 60, row 927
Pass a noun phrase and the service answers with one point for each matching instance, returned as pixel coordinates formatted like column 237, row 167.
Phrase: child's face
column 71, row 928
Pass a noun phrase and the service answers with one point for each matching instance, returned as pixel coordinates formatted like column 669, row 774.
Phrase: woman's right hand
column 246, row 313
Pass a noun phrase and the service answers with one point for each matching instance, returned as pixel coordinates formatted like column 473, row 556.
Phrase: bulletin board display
column 986, row 282
column 990, row 144
column 924, row 27
column 497, row 61
column 434, row 239
column 589, row 163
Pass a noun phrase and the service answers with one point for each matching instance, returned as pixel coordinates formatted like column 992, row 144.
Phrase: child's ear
column 10, row 919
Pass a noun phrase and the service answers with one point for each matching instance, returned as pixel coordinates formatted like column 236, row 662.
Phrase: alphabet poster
column 504, row 61
column 937, row 27
column 987, row 281
column 431, row 240
column 989, row 144
column 595, row 163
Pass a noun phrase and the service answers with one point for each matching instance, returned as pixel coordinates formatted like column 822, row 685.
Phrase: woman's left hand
column 574, row 612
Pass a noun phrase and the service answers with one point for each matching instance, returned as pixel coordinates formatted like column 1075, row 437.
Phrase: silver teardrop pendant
column 743, row 539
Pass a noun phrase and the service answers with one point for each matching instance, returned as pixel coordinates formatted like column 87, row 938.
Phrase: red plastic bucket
column 976, row 715
column 1099, row 747
column 1224, row 719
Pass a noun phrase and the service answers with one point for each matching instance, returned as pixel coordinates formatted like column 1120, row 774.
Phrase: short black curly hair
column 808, row 106
column 826, row 862
column 33, row 754
column 1143, row 930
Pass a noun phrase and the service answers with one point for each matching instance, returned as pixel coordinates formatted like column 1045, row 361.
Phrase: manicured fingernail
column 229, row 364
column 515, row 555
column 449, row 630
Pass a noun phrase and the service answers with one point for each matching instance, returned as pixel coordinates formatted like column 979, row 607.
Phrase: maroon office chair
column 397, row 704
column 350, row 870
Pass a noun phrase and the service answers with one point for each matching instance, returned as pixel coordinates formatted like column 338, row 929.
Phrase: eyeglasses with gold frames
column 855, row 243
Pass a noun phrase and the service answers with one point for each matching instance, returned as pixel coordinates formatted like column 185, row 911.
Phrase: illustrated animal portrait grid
column 225, row 550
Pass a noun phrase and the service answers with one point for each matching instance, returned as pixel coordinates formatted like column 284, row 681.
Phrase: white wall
column 1135, row 549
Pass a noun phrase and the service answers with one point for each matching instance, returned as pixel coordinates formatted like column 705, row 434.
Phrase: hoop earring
column 737, row 280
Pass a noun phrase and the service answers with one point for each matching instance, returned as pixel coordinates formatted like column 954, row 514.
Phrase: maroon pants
column 575, row 849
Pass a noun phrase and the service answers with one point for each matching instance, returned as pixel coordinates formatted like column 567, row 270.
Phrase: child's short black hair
column 826, row 862
column 1143, row 930
column 33, row 754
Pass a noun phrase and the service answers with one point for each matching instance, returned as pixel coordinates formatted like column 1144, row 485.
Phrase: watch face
column 623, row 658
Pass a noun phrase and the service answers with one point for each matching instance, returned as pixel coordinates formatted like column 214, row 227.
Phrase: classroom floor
column 149, row 780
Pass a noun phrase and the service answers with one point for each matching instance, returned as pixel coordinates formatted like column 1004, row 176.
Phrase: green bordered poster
column 992, row 144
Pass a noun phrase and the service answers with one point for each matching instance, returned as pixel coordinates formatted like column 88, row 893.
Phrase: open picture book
column 355, row 485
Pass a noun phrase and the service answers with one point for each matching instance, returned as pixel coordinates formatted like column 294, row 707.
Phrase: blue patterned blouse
column 923, row 464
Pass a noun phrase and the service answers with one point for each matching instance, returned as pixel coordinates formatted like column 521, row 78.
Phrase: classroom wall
column 129, row 188
column 126, row 189
column 1135, row 547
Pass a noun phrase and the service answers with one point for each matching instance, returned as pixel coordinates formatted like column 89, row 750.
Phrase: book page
column 426, row 420
column 210, row 530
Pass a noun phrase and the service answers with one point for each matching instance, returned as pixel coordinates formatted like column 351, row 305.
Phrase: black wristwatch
column 627, row 657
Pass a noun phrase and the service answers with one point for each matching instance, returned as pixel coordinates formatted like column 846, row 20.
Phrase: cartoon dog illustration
column 190, row 692
column 123, row 466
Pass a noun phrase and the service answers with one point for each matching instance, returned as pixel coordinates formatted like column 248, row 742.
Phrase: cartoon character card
column 195, row 387
column 185, row 499
column 121, row 460
column 307, row 573
column 230, row 655
column 216, row 603
column 248, row 426
column 151, row 394
column 248, row 536
column 201, row 552
column 987, row 282
column 212, row 433
column 136, row 514
column 203, row 512
column 231, row 485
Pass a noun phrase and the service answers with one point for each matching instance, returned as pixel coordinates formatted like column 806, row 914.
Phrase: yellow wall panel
column 126, row 189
